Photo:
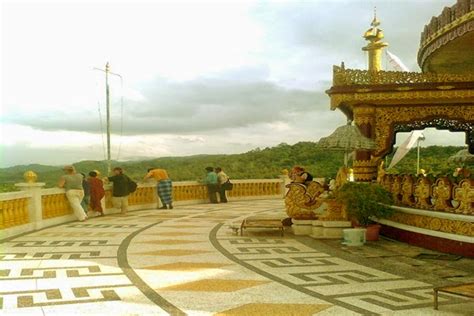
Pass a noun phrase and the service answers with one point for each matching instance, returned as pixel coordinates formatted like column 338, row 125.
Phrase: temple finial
column 374, row 35
column 375, row 21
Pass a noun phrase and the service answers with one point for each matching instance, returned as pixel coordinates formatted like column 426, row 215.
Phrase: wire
column 100, row 120
column 101, row 130
column 121, row 118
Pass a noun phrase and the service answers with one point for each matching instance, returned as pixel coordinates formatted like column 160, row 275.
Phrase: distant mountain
column 23, row 168
column 256, row 164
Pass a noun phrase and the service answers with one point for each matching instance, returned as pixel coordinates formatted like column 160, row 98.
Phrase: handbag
column 228, row 186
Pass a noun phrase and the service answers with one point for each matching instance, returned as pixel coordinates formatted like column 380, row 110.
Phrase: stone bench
column 261, row 222
column 466, row 290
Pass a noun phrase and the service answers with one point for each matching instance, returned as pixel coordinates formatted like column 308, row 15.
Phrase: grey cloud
column 194, row 106
column 333, row 29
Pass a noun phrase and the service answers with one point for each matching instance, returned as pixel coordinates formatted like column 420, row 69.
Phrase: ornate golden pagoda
column 430, row 212
column 383, row 103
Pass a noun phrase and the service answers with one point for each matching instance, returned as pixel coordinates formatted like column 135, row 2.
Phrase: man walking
column 164, row 187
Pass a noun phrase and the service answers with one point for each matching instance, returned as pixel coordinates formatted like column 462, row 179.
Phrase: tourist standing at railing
column 72, row 183
column 120, row 189
column 97, row 192
column 164, row 187
column 87, row 193
column 211, row 182
column 222, row 178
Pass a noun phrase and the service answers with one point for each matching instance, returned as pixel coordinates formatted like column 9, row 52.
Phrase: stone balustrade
column 14, row 209
column 441, row 194
column 34, row 207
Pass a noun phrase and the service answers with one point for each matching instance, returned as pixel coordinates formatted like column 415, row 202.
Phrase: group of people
column 217, row 183
column 83, row 193
column 86, row 193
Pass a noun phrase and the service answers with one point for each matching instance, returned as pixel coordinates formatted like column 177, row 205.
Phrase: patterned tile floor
column 188, row 261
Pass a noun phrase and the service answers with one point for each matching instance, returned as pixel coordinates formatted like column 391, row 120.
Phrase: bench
column 466, row 290
column 261, row 222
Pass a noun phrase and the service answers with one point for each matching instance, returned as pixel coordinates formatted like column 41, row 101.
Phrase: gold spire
column 375, row 21
column 374, row 47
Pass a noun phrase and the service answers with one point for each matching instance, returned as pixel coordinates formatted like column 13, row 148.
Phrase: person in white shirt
column 221, row 179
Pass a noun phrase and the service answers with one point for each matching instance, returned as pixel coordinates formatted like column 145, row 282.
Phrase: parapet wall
column 34, row 207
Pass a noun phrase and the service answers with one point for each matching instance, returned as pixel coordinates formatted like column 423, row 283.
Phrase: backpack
column 132, row 186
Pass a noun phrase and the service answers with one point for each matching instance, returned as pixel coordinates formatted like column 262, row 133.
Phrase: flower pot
column 372, row 233
column 354, row 236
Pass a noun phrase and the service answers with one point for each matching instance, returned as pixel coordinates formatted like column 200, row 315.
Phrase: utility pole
column 107, row 103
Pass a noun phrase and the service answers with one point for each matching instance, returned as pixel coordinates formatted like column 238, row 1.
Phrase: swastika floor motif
column 188, row 261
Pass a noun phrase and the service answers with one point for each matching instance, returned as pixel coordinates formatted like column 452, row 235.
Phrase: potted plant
column 365, row 201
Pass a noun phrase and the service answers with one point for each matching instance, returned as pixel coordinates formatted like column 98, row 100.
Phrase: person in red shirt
column 97, row 192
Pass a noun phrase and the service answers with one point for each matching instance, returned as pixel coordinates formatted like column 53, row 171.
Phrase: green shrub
column 364, row 200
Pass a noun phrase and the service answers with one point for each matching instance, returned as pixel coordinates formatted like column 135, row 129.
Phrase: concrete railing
column 34, row 208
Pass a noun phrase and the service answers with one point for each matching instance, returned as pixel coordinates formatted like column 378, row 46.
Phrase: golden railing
column 439, row 194
column 55, row 205
column 188, row 191
column 254, row 188
column 350, row 77
column 52, row 203
column 14, row 212
column 143, row 195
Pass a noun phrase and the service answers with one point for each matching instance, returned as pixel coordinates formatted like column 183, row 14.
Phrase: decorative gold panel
column 423, row 193
column 433, row 223
column 350, row 77
column 386, row 118
column 463, row 193
column 407, row 190
column 442, row 194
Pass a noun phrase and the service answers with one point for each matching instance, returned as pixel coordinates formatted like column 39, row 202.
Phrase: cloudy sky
column 198, row 77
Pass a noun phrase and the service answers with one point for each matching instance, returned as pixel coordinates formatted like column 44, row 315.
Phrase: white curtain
column 405, row 147
column 396, row 62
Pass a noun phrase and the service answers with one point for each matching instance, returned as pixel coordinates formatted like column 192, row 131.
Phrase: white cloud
column 199, row 77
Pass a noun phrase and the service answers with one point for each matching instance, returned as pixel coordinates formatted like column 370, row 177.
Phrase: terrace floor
column 188, row 261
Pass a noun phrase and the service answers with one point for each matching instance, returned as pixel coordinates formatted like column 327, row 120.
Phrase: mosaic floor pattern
column 189, row 261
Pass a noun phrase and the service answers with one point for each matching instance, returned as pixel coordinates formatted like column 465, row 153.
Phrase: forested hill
column 255, row 164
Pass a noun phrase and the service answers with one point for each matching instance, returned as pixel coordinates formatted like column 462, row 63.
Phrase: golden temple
column 437, row 213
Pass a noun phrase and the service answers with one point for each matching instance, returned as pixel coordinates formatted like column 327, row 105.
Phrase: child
column 97, row 192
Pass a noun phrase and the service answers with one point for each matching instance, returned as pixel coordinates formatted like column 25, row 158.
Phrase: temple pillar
column 365, row 168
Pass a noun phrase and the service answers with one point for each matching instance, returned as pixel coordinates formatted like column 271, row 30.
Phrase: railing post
column 35, row 210
column 285, row 179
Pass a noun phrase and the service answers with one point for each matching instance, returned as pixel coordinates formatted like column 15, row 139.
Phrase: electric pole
column 107, row 104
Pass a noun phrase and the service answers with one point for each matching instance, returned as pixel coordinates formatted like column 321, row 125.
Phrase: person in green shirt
column 211, row 182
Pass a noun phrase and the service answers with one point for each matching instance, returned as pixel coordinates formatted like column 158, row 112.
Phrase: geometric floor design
column 188, row 261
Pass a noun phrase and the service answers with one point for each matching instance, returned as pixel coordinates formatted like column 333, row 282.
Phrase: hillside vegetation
column 256, row 164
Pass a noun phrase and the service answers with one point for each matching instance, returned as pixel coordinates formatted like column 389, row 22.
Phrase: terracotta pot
column 372, row 233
